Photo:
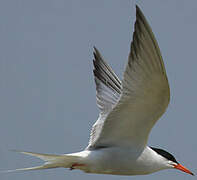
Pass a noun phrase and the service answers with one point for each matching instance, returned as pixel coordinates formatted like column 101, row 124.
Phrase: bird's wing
column 108, row 90
column 145, row 93
column 108, row 86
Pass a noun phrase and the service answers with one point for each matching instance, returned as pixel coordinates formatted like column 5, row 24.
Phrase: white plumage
column 128, row 111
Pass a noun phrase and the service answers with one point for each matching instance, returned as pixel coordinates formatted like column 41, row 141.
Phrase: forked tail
column 51, row 161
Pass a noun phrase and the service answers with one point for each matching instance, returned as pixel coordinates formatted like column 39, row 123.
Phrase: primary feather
column 142, row 96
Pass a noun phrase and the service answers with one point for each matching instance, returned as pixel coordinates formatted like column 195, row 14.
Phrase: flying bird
column 128, row 111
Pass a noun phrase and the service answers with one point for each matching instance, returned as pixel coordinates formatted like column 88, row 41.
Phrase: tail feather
column 51, row 161
column 44, row 157
column 45, row 166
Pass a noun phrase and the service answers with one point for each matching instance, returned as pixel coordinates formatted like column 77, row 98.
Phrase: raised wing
column 145, row 93
column 108, row 86
column 108, row 90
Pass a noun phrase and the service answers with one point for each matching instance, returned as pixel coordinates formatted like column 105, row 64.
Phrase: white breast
column 122, row 161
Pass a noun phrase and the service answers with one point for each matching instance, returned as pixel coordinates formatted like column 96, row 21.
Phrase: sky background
column 47, row 91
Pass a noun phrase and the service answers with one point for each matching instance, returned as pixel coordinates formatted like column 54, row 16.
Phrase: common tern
column 128, row 111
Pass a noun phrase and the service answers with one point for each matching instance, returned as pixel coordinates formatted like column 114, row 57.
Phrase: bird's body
column 115, row 160
column 128, row 111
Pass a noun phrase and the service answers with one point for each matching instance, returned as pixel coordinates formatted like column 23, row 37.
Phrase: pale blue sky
column 47, row 91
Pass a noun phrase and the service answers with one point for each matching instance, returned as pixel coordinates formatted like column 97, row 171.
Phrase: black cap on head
column 165, row 154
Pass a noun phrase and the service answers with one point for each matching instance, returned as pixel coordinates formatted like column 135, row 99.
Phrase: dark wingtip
column 95, row 52
column 138, row 11
column 137, row 7
column 95, row 49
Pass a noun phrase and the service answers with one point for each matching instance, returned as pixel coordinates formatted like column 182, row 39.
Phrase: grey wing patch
column 145, row 93
column 108, row 85
column 108, row 91
column 96, row 130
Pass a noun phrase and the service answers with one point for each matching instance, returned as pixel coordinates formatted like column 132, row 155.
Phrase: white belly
column 120, row 161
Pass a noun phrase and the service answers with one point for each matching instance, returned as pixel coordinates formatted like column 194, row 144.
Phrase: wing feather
column 145, row 93
column 108, row 85
column 108, row 90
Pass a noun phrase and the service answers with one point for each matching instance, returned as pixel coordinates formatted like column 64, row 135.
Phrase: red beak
column 182, row 168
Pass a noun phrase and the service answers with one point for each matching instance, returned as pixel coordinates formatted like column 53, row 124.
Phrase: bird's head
column 171, row 162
